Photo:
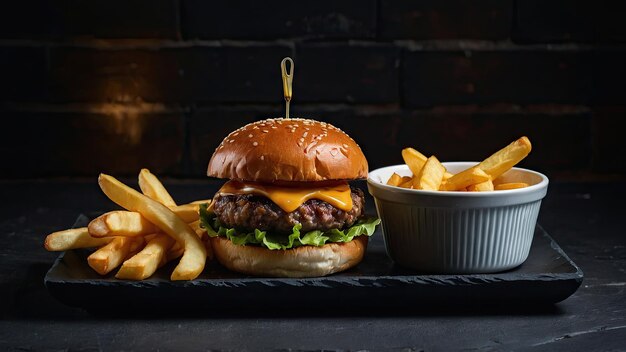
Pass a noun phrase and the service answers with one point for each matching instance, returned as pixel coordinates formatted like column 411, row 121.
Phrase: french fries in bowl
column 459, row 217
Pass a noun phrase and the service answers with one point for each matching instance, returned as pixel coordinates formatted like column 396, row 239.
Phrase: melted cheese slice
column 290, row 198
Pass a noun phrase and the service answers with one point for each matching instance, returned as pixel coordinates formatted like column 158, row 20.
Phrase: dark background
column 116, row 85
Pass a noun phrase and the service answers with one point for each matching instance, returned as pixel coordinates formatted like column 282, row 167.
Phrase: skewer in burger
column 287, row 209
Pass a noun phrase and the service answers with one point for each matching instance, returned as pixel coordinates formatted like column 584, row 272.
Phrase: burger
column 287, row 209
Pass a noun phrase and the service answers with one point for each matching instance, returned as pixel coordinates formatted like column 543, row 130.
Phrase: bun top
column 291, row 150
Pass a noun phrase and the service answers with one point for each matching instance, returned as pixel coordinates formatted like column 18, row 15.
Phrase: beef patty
column 247, row 212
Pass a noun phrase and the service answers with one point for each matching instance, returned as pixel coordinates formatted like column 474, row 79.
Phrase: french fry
column 204, row 236
column 175, row 252
column 72, row 239
column 510, row 185
column 406, row 182
column 187, row 212
column 153, row 188
column 194, row 257
column 507, row 177
column 481, row 187
column 109, row 257
column 195, row 226
column 149, row 237
column 132, row 224
column 129, row 223
column 431, row 175
column 394, row 180
column 121, row 223
column 465, row 178
column 143, row 264
column 506, row 158
column 416, row 160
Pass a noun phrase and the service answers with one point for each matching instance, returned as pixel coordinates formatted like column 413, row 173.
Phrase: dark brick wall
column 263, row 20
column 450, row 19
column 113, row 86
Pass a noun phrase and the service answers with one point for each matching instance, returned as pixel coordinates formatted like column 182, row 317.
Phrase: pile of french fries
column 151, row 232
column 430, row 174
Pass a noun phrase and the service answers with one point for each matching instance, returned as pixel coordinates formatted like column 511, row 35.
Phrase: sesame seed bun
column 288, row 150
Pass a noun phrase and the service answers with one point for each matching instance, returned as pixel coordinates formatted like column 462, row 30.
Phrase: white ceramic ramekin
column 458, row 232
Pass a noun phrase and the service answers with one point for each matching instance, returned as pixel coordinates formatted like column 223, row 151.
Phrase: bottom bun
column 305, row 261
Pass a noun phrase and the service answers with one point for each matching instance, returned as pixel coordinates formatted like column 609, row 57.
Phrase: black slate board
column 547, row 276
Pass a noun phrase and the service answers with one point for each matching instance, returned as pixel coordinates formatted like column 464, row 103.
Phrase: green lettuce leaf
column 208, row 221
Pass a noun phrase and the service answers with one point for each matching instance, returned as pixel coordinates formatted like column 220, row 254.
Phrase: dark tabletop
column 586, row 219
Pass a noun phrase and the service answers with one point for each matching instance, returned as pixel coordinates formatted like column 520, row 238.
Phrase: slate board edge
column 572, row 280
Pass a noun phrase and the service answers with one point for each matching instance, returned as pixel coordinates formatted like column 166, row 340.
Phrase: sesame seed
column 274, row 127
column 305, row 134
column 250, row 135
column 262, row 125
column 232, row 140
column 255, row 144
column 301, row 139
column 345, row 145
column 333, row 152
column 234, row 134
column 300, row 144
column 255, row 127
column 265, row 131
column 262, row 157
